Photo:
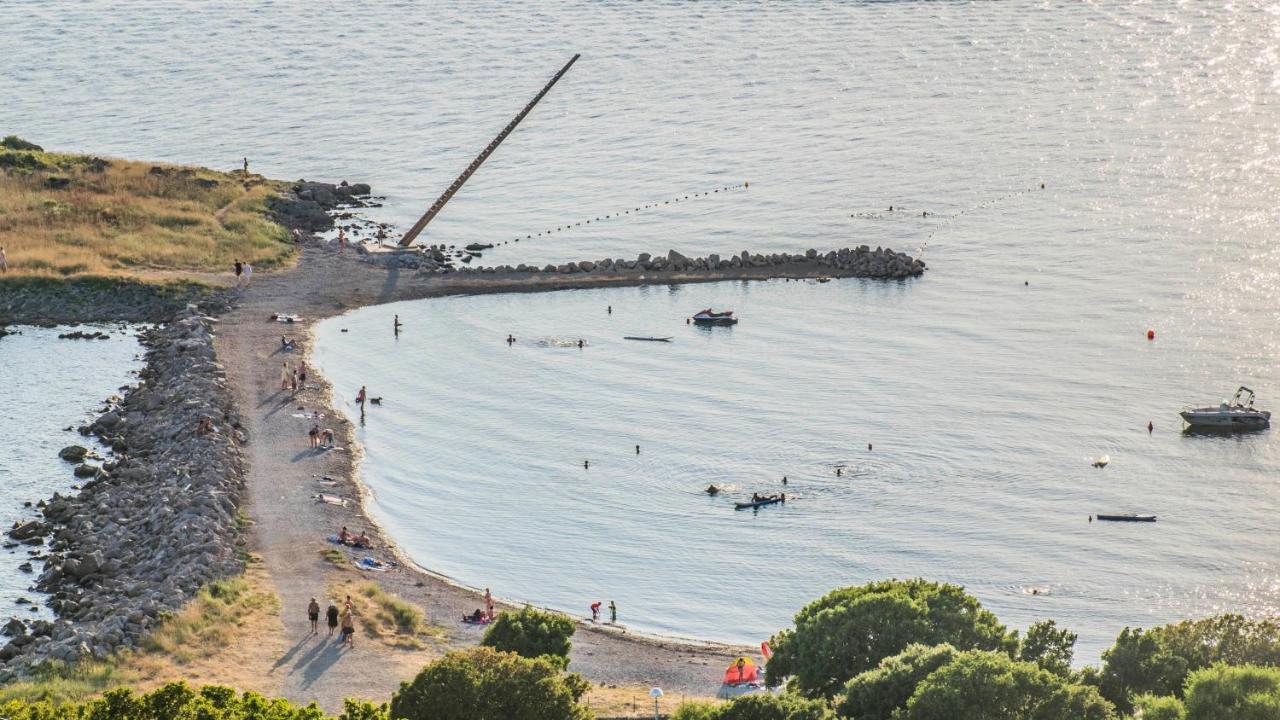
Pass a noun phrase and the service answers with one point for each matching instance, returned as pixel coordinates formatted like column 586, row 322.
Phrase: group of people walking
column 343, row 622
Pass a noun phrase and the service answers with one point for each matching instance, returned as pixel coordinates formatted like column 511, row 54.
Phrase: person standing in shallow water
column 360, row 398
column 613, row 613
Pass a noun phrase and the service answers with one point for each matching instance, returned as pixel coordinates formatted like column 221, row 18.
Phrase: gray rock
column 73, row 453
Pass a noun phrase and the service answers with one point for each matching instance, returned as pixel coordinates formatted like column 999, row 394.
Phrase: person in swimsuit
column 348, row 635
column 332, row 615
column 285, row 375
column 488, row 603
column 313, row 614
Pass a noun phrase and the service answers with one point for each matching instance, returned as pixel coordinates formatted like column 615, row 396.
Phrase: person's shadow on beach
column 318, row 661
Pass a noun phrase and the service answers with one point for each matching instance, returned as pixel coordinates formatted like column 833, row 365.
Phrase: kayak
column 647, row 339
column 1128, row 518
column 757, row 503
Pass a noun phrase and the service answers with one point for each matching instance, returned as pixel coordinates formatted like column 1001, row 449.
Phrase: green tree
column 531, row 633
column 1246, row 692
column 1159, row 708
column 1050, row 648
column 486, row 684
column 876, row 694
column 362, row 710
column 1157, row 661
column 849, row 631
column 981, row 685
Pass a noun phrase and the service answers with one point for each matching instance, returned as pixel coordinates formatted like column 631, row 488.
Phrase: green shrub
column 695, row 711
column 1245, row 692
column 531, row 633
column 1159, row 708
column 876, row 694
column 768, row 706
column 485, row 684
column 979, row 685
column 849, row 631
column 1157, row 661
column 13, row 142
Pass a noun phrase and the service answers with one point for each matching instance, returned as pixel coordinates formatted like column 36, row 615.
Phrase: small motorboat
column 1238, row 413
column 761, row 502
column 709, row 317
column 647, row 339
column 1127, row 517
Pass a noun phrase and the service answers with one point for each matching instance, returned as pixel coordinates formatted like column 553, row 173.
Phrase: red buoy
column 1151, row 334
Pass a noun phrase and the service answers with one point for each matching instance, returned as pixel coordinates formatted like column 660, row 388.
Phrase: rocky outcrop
column 151, row 525
column 308, row 205
column 36, row 301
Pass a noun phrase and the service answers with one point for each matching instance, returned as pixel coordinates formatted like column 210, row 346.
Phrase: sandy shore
column 290, row 525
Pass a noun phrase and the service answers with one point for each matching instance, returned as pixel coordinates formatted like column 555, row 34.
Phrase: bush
column 13, row 142
column 1159, row 708
column 991, row 686
column 531, row 633
column 849, row 631
column 876, row 694
column 171, row 702
column 485, row 684
column 1049, row 647
column 1157, row 661
column 1246, row 692
column 763, row 706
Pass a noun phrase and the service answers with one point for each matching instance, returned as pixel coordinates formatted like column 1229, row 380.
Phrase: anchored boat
column 709, row 317
column 1128, row 517
column 1238, row 413
column 647, row 339
column 760, row 502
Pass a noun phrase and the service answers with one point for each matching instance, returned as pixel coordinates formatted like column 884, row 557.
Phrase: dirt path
column 290, row 524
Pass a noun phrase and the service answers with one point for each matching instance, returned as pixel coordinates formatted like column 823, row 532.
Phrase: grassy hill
column 65, row 215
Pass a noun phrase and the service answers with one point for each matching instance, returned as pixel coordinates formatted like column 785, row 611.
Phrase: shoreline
column 290, row 527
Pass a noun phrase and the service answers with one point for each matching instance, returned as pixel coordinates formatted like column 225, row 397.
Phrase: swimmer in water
column 510, row 339
column 580, row 344
column 712, row 490
column 586, row 464
column 839, row 472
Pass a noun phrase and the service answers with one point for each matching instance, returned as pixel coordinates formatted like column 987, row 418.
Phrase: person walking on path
column 613, row 613
column 488, row 603
column 248, row 274
column 285, row 375
column 313, row 614
column 332, row 615
column 239, row 271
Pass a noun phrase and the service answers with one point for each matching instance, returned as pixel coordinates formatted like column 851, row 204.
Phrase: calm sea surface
column 46, row 386
column 1153, row 127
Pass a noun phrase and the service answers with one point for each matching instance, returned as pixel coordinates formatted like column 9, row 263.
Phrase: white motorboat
column 1238, row 413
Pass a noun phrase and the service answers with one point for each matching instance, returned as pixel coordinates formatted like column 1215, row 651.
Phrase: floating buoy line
column 899, row 210
column 635, row 210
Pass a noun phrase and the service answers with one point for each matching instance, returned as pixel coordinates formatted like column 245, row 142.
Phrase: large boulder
column 28, row 530
column 73, row 453
column 677, row 261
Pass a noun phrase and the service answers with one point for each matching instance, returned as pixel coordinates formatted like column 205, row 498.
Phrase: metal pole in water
column 410, row 236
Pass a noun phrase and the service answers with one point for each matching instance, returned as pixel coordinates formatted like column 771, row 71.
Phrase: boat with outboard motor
column 1238, row 413
column 1127, row 517
column 760, row 501
column 710, row 317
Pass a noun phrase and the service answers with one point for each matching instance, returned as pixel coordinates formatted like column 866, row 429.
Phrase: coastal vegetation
column 487, row 684
column 65, row 215
column 532, row 633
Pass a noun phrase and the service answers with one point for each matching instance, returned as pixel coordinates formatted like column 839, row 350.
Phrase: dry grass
column 629, row 702
column 64, row 215
column 227, row 635
column 387, row 618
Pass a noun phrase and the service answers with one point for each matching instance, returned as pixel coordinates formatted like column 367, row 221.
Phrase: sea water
column 986, row 387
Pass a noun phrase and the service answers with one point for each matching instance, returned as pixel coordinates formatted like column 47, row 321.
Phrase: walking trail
column 290, row 526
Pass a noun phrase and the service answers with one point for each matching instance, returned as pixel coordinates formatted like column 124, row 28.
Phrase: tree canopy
column 486, row 684
column 531, row 633
column 765, row 706
column 849, row 631
column 1158, row 661
column 980, row 685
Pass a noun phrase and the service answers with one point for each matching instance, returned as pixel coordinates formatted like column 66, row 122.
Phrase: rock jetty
column 152, row 523
column 308, row 205
column 861, row 261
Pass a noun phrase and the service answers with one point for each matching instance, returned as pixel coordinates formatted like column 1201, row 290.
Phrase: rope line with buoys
column 635, row 210
column 900, row 210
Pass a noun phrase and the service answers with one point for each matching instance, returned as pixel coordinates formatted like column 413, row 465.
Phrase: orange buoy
column 1151, row 334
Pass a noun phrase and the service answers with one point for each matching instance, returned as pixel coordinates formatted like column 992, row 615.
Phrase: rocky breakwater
column 861, row 261
column 150, row 525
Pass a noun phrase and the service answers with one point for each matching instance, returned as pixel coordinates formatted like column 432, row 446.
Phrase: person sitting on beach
column 363, row 541
column 345, row 537
column 475, row 617
column 286, row 343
